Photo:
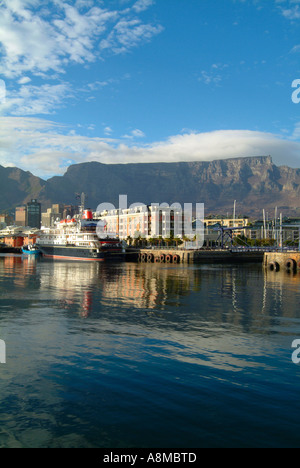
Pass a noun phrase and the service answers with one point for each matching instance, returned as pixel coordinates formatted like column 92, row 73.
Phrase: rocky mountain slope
column 18, row 187
column 256, row 183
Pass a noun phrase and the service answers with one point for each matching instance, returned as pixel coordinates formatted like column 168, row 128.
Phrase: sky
column 127, row 81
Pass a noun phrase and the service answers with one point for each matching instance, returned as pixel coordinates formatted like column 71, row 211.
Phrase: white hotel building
column 164, row 221
column 148, row 221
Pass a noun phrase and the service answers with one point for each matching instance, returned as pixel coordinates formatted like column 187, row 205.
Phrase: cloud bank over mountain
column 47, row 148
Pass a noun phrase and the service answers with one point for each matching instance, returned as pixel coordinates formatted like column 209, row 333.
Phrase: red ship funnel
column 87, row 214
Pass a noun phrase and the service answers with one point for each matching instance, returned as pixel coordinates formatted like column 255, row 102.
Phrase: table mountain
column 256, row 183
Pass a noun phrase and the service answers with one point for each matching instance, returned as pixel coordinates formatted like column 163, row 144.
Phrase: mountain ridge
column 255, row 182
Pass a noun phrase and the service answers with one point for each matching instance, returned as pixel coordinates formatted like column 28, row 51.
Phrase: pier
column 181, row 256
column 282, row 261
column 6, row 249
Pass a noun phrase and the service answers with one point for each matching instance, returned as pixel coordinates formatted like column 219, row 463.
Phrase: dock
column 282, row 261
column 10, row 250
column 181, row 256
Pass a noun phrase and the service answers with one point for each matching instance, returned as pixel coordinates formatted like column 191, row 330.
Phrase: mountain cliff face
column 17, row 187
column 254, row 182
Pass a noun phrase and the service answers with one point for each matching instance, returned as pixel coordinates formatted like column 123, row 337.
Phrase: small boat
column 30, row 250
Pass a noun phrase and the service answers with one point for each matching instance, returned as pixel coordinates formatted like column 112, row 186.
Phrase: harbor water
column 148, row 355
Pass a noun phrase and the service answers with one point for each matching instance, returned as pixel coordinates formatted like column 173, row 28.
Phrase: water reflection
column 246, row 297
column 117, row 355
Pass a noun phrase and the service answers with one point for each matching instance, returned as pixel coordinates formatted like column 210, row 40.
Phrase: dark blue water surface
column 138, row 355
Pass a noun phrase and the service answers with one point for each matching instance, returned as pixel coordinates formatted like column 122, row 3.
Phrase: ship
column 80, row 239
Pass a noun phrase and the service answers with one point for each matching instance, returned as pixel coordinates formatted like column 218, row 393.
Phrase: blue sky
column 124, row 81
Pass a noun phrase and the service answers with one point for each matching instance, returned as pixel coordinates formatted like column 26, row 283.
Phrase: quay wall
column 282, row 261
column 196, row 256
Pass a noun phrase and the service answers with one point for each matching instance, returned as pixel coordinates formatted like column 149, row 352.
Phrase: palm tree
column 129, row 240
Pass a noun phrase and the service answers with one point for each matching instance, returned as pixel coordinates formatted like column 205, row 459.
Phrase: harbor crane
column 226, row 234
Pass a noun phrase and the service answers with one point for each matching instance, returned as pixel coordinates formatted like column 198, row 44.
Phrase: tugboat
column 30, row 250
column 79, row 239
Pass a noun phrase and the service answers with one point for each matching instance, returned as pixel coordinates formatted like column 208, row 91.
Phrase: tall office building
column 34, row 214
column 20, row 216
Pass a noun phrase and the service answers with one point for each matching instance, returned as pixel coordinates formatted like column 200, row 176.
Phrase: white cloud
column 292, row 13
column 108, row 131
column 27, row 42
column 136, row 133
column 215, row 75
column 34, row 100
column 128, row 33
column 24, row 80
column 296, row 133
column 295, row 49
column 46, row 148
column 289, row 9
column 2, row 93
column 42, row 38
column 142, row 5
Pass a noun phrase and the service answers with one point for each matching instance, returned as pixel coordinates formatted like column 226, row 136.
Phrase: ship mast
column 82, row 198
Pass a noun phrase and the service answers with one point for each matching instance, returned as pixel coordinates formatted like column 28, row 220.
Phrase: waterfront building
column 17, row 236
column 147, row 221
column 227, row 222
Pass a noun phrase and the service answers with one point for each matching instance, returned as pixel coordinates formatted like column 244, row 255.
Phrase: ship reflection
column 126, row 284
column 236, row 295
column 228, row 295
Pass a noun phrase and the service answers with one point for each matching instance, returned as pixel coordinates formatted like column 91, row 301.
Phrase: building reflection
column 25, row 265
column 129, row 284
column 245, row 297
column 223, row 295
